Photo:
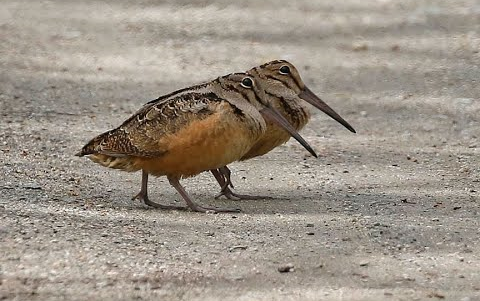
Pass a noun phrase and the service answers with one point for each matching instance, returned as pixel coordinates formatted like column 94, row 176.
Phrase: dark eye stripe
column 237, row 110
column 259, row 100
column 279, row 80
column 282, row 100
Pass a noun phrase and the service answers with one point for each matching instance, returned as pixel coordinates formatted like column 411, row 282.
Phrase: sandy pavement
column 391, row 213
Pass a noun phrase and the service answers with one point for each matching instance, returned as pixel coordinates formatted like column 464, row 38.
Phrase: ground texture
column 389, row 213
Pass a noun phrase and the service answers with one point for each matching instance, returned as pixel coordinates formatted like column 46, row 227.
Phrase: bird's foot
column 144, row 198
column 229, row 194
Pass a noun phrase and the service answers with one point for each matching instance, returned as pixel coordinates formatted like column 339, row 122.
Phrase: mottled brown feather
column 183, row 133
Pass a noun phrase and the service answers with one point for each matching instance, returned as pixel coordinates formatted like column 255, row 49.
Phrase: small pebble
column 286, row 268
column 235, row 248
column 33, row 186
column 359, row 47
column 363, row 263
column 436, row 295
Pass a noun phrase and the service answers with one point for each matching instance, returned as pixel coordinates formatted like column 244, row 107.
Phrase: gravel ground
column 389, row 213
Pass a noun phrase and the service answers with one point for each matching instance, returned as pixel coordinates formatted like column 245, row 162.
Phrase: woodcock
column 179, row 135
column 287, row 93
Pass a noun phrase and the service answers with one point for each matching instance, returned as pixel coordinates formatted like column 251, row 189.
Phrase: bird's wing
column 149, row 131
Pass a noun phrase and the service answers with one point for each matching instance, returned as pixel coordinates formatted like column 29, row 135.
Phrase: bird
column 287, row 92
column 186, row 132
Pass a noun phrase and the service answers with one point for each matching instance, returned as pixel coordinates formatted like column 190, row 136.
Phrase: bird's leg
column 222, row 175
column 225, row 171
column 220, row 178
column 229, row 194
column 224, row 190
column 143, row 195
column 174, row 181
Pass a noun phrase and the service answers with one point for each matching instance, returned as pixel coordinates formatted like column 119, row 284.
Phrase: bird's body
column 184, row 133
column 181, row 134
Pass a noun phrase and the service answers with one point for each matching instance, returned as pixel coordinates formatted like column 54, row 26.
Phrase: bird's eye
column 284, row 70
column 247, row 82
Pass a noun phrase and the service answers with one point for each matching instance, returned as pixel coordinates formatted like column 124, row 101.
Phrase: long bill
column 273, row 115
column 314, row 100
